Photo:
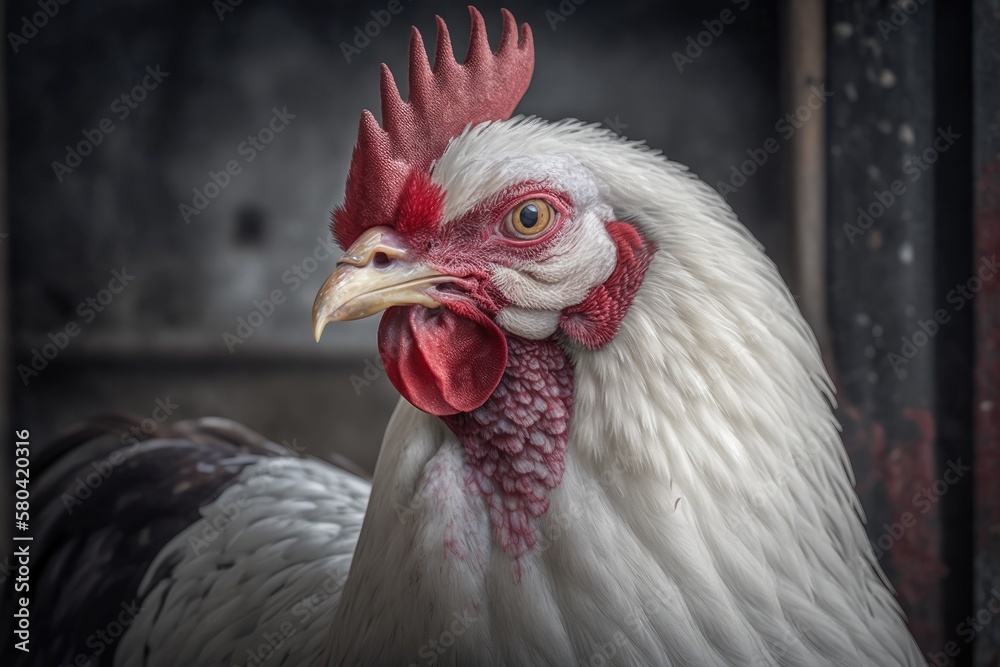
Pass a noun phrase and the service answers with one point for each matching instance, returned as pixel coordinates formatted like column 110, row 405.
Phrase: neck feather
column 699, row 509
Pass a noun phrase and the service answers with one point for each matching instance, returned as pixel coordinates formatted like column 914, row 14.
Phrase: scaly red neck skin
column 516, row 441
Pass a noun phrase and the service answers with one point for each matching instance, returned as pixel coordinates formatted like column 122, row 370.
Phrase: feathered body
column 655, row 477
column 706, row 514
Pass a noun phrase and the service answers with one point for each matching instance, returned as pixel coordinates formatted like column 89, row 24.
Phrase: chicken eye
column 530, row 218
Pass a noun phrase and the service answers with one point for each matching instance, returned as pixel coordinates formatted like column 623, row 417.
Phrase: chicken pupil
column 529, row 216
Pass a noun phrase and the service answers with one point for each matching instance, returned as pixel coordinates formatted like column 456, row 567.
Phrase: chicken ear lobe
column 441, row 361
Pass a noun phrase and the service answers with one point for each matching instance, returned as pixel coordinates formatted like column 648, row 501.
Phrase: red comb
column 442, row 103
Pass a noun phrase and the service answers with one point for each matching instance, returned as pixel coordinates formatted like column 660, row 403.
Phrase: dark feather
column 103, row 505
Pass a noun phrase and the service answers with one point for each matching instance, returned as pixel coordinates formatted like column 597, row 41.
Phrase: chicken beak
column 374, row 274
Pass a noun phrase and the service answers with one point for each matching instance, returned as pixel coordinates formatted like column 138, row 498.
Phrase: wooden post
column 805, row 71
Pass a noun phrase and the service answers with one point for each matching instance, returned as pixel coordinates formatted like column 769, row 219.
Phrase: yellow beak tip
column 318, row 331
column 357, row 288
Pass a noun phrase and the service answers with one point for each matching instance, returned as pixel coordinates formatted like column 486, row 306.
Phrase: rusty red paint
column 902, row 469
column 908, row 473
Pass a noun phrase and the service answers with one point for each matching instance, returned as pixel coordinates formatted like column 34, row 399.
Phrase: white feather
column 706, row 515
column 259, row 575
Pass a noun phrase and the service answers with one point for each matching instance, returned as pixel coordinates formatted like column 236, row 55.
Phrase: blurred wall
column 210, row 75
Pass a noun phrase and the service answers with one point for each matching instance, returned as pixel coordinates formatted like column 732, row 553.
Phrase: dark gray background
column 162, row 337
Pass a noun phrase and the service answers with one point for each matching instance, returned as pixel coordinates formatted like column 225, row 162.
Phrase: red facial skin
column 450, row 360
column 469, row 244
column 594, row 321
column 508, row 399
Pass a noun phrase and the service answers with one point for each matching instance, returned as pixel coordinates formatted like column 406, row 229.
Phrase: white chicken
column 615, row 444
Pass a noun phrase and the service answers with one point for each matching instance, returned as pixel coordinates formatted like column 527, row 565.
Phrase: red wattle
column 440, row 361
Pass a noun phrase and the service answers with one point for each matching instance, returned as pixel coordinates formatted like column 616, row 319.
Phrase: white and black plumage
column 616, row 444
column 114, row 515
